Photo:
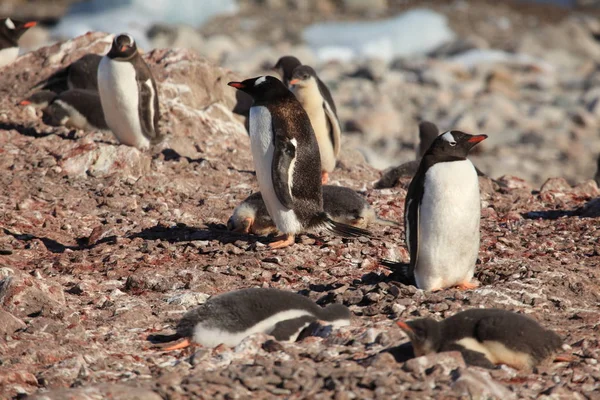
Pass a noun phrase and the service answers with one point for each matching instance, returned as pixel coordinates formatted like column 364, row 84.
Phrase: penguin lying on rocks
column 342, row 204
column 485, row 337
column 230, row 317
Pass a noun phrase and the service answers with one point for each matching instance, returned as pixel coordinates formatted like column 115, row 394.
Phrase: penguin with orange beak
column 485, row 337
column 10, row 32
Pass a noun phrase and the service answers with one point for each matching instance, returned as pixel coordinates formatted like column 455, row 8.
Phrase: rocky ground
column 102, row 245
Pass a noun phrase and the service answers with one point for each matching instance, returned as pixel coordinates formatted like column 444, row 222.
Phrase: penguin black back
column 239, row 310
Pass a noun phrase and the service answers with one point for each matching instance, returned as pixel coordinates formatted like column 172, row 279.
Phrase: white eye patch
column 260, row 80
column 131, row 41
column 9, row 23
column 449, row 138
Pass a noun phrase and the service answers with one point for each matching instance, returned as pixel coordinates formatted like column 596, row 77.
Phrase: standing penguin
column 230, row 317
column 128, row 95
column 441, row 214
column 10, row 32
column 285, row 68
column 485, row 337
column 318, row 103
column 286, row 158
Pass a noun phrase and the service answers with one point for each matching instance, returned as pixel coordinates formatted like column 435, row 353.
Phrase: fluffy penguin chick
column 485, row 337
column 441, row 214
column 285, row 67
column 342, row 204
column 10, row 32
column 80, row 74
column 229, row 318
column 318, row 103
column 79, row 109
column 287, row 163
column 128, row 95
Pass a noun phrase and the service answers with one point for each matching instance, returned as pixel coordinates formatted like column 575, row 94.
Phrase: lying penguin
column 230, row 317
column 80, row 74
column 485, row 337
column 343, row 204
column 79, row 109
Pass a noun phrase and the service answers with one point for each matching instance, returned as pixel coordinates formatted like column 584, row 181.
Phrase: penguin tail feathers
column 402, row 269
column 323, row 220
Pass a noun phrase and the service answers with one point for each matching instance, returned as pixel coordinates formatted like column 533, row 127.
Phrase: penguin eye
column 452, row 144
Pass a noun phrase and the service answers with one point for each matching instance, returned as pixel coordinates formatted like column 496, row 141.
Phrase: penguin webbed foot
column 282, row 241
column 177, row 345
column 324, row 177
column 468, row 285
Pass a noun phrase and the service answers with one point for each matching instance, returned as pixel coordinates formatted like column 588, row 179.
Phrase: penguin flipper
column 282, row 169
column 335, row 134
column 323, row 220
column 471, row 357
column 412, row 218
column 291, row 328
column 148, row 109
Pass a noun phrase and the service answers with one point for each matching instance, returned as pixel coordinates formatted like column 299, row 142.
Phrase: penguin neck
column 431, row 159
column 309, row 95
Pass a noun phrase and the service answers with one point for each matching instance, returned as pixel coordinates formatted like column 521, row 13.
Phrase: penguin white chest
column 119, row 96
column 449, row 217
column 261, row 143
column 312, row 101
column 8, row 55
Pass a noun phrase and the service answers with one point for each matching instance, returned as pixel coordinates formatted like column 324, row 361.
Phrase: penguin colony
column 295, row 138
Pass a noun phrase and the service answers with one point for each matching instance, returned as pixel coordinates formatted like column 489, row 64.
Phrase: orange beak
column 404, row 326
column 237, row 85
column 477, row 138
column 24, row 103
column 30, row 24
column 123, row 48
column 294, row 81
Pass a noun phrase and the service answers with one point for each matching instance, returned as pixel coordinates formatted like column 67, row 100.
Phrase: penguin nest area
column 102, row 245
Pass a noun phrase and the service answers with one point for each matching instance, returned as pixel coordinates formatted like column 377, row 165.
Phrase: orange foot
column 180, row 344
column 468, row 285
column 282, row 241
column 324, row 177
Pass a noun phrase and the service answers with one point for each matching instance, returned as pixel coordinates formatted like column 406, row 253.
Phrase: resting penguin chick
column 318, row 103
column 79, row 109
column 485, row 337
column 286, row 159
column 285, row 67
column 441, row 214
column 340, row 203
column 128, row 95
column 10, row 32
column 80, row 74
column 230, row 317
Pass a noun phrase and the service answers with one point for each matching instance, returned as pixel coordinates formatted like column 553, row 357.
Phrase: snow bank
column 417, row 31
column 136, row 16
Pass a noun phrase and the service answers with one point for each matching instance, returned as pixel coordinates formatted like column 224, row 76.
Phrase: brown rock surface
column 89, row 296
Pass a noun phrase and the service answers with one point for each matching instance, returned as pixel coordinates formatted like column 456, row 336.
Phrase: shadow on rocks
column 54, row 246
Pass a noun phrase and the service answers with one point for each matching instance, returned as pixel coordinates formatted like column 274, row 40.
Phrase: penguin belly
column 261, row 143
column 449, row 217
column 312, row 101
column 119, row 96
column 8, row 55
column 208, row 334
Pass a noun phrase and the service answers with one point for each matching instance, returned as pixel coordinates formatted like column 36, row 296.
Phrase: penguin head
column 12, row 29
column 285, row 67
column 454, row 144
column 424, row 334
column 40, row 99
column 123, row 47
column 302, row 76
column 262, row 88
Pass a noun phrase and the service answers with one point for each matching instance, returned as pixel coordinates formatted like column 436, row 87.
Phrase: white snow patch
column 414, row 32
column 475, row 57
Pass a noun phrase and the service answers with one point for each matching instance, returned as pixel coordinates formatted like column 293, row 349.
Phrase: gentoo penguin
column 230, row 317
column 318, row 103
column 10, row 32
column 485, row 337
column 79, row 109
column 342, row 204
column 80, row 74
column 285, row 67
column 441, row 214
column 427, row 133
column 286, row 158
column 128, row 95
